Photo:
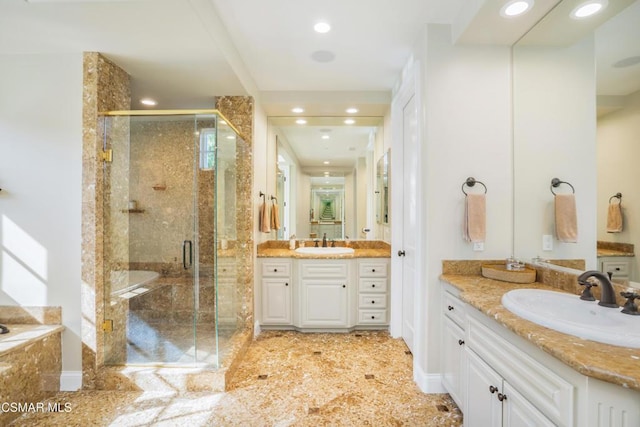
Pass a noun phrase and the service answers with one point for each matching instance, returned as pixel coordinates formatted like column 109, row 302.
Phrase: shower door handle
column 184, row 254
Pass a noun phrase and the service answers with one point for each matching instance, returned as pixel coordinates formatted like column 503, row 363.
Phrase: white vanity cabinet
column 277, row 291
column 324, row 293
column 505, row 380
column 453, row 341
column 620, row 267
column 373, row 291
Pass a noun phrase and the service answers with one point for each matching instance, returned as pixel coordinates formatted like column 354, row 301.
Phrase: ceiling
column 184, row 52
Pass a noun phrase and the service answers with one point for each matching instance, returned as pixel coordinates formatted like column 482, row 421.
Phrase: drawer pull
column 275, row 270
column 286, row 284
column 373, row 270
column 373, row 317
column 344, row 286
column 460, row 342
column 493, row 389
column 450, row 308
column 373, row 302
column 373, row 285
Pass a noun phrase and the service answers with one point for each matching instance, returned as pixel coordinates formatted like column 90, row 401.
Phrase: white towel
column 475, row 218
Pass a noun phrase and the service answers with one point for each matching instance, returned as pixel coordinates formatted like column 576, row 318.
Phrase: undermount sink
column 569, row 314
column 325, row 251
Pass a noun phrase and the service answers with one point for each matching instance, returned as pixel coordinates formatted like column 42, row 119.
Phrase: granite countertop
column 614, row 252
column 361, row 248
column 617, row 365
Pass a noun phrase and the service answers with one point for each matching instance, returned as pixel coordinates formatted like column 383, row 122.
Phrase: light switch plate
column 478, row 246
column 547, row 242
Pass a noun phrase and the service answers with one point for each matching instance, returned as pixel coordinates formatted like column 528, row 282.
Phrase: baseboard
column 256, row 329
column 70, row 380
column 428, row 383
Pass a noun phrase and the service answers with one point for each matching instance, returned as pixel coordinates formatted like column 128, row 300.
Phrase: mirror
column 326, row 175
column 563, row 70
column 382, row 189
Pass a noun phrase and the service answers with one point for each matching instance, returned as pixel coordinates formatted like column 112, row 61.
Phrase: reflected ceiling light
column 326, row 162
column 352, row 110
column 297, row 110
column 222, row 122
column 148, row 101
column 322, row 27
column 301, row 121
column 231, row 137
column 516, row 8
column 589, row 8
column 349, row 122
column 325, row 137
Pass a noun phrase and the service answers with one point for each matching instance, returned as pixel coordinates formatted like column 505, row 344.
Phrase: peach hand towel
column 263, row 218
column 475, row 218
column 275, row 217
column 566, row 218
column 614, row 218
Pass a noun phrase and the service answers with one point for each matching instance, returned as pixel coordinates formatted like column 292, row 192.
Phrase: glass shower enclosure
column 170, row 184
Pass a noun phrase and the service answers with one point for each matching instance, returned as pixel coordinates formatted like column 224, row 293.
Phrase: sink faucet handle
column 629, row 306
column 586, row 293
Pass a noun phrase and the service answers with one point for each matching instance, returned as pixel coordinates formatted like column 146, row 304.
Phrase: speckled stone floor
column 286, row 379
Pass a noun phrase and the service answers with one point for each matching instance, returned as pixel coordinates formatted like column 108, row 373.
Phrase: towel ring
column 555, row 182
column 470, row 182
column 616, row 196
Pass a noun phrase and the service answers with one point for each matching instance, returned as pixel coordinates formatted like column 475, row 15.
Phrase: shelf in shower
column 133, row 211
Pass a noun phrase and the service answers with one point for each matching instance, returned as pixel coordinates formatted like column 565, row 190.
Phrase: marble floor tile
column 285, row 379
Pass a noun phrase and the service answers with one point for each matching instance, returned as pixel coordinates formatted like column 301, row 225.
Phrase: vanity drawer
column 276, row 269
column 372, row 301
column 618, row 268
column 372, row 317
column 372, row 269
column 319, row 269
column 372, row 285
column 454, row 309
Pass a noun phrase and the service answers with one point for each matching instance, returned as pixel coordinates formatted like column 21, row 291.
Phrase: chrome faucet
column 607, row 295
column 324, row 240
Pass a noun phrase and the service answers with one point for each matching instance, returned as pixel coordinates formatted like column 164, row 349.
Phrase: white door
column 409, row 218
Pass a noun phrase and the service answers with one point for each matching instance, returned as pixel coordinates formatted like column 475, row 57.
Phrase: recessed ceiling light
column 349, row 122
column 297, row 110
column 589, row 8
column 148, row 101
column 326, row 162
column 323, row 56
column 301, row 121
column 516, row 8
column 352, row 110
column 322, row 27
column 325, row 137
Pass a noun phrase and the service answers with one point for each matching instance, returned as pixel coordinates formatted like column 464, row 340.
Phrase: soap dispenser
column 292, row 242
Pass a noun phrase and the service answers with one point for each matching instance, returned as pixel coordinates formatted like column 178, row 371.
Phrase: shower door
column 160, row 240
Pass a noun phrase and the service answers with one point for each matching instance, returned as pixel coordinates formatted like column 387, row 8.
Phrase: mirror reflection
column 326, row 178
column 576, row 98
column 382, row 189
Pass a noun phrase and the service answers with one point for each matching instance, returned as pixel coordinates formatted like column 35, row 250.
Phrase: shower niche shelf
column 133, row 210
column 159, row 187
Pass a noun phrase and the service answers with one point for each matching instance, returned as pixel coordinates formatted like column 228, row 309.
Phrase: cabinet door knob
column 450, row 307
column 502, row 397
column 493, row 389
column 286, row 284
column 373, row 270
column 460, row 342
column 275, row 270
column 344, row 286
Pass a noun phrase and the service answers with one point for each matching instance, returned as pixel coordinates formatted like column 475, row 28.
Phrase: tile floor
column 286, row 379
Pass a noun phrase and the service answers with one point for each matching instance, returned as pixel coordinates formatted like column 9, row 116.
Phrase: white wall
column 40, row 177
column 617, row 159
column 554, row 137
column 465, row 128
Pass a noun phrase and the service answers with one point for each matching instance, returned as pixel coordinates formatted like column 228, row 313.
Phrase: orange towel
column 566, row 218
column 475, row 218
column 275, row 216
column 263, row 218
column 614, row 218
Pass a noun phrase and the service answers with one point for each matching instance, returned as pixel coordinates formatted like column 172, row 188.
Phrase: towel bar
column 616, row 196
column 470, row 182
column 555, row 182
